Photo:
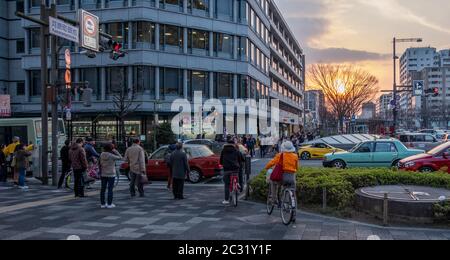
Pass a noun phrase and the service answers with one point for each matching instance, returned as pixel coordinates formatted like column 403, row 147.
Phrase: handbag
column 144, row 179
column 277, row 174
column 14, row 162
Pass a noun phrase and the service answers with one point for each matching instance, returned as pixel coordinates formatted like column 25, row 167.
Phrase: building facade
column 383, row 110
column 225, row 48
column 431, row 66
column 314, row 109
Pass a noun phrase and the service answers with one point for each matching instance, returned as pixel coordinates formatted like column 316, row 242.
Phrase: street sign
column 61, row 29
column 5, row 105
column 89, row 25
column 418, row 87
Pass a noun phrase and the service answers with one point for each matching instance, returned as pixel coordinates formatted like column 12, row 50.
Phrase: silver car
column 419, row 141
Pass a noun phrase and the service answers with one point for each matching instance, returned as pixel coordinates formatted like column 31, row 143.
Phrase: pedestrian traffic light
column 117, row 51
column 435, row 92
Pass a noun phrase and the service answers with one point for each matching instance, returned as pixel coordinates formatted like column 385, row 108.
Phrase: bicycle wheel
column 287, row 210
column 116, row 181
column 235, row 197
column 270, row 203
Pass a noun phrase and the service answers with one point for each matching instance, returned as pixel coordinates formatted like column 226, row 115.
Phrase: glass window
column 170, row 37
column 365, row 148
column 385, row 148
column 20, row 88
column 63, row 2
column 35, row 3
column 224, row 9
column 144, row 79
column 223, row 85
column 143, row 35
column 198, row 42
column 242, row 51
column 174, row 5
column 243, row 87
column 223, row 44
column 20, row 46
column 92, row 76
column 243, row 6
column 35, row 38
column 35, row 83
column 171, row 82
column 116, row 80
column 160, row 154
column 198, row 5
column 20, row 6
column 198, row 81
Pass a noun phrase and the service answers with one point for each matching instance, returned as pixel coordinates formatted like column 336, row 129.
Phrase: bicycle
column 287, row 203
column 234, row 189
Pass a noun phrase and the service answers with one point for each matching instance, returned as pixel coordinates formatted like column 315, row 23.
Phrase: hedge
column 341, row 184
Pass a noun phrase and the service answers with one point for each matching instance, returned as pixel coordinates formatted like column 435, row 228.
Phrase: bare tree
column 123, row 106
column 345, row 88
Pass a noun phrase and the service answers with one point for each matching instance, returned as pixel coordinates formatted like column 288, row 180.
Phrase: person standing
column 180, row 168
column 135, row 156
column 91, row 154
column 172, row 148
column 77, row 157
column 230, row 158
column 64, row 154
column 3, row 168
column 108, row 174
column 21, row 164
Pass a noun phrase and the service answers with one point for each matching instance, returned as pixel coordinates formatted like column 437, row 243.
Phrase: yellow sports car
column 316, row 151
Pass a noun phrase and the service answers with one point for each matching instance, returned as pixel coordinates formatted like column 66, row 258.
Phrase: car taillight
column 220, row 166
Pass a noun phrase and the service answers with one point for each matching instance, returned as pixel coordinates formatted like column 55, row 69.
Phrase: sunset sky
column 361, row 31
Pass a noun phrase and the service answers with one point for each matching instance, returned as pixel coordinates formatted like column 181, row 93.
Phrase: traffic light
column 435, row 92
column 115, row 48
column 117, row 51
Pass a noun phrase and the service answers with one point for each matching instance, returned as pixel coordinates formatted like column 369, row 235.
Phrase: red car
column 434, row 160
column 202, row 161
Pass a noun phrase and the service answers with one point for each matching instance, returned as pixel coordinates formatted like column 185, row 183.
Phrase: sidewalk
column 157, row 216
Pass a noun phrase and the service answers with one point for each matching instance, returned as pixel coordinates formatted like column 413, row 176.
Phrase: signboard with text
column 61, row 29
column 5, row 105
column 89, row 30
column 418, row 87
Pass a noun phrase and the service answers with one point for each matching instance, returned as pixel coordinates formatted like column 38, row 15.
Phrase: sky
column 360, row 32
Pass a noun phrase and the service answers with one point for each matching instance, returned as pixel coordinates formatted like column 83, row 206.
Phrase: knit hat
column 288, row 147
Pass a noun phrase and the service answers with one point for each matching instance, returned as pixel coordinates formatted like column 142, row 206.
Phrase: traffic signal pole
column 54, row 94
column 44, row 105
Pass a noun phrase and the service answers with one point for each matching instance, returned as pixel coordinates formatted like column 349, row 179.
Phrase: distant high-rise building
column 429, row 65
column 314, row 107
column 383, row 110
column 368, row 111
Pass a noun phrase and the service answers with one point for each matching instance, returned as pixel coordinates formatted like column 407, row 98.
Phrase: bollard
column 248, row 171
column 386, row 210
column 324, row 198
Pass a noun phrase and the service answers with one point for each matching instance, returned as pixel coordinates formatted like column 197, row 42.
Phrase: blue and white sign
column 61, row 29
column 418, row 86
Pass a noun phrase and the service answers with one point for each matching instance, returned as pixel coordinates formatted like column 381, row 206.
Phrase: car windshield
column 438, row 149
column 355, row 148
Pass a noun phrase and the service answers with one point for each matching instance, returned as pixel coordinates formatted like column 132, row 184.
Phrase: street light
column 394, row 42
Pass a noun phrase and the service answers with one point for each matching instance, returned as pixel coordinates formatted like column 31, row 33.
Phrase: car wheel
column 396, row 164
column 426, row 170
column 338, row 164
column 195, row 176
column 305, row 156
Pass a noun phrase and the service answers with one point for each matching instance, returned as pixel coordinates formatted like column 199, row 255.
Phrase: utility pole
column 395, row 111
column 54, row 94
column 44, row 108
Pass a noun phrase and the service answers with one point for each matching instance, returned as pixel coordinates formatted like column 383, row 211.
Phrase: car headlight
column 409, row 164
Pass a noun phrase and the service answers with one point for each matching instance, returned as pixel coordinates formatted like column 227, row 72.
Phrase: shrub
column 341, row 184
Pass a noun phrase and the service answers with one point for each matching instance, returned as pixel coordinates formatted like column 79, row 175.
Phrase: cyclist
column 290, row 167
column 231, row 159
column 92, row 157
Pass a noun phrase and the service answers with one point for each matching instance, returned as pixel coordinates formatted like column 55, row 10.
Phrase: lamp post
column 395, row 91
column 156, row 104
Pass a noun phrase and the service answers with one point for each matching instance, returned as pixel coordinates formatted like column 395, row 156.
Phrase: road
column 46, row 213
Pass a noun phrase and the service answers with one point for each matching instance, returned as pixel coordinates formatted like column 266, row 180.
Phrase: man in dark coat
column 231, row 159
column 180, row 168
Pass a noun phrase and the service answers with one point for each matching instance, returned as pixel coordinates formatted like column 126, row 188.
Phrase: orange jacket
column 290, row 162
